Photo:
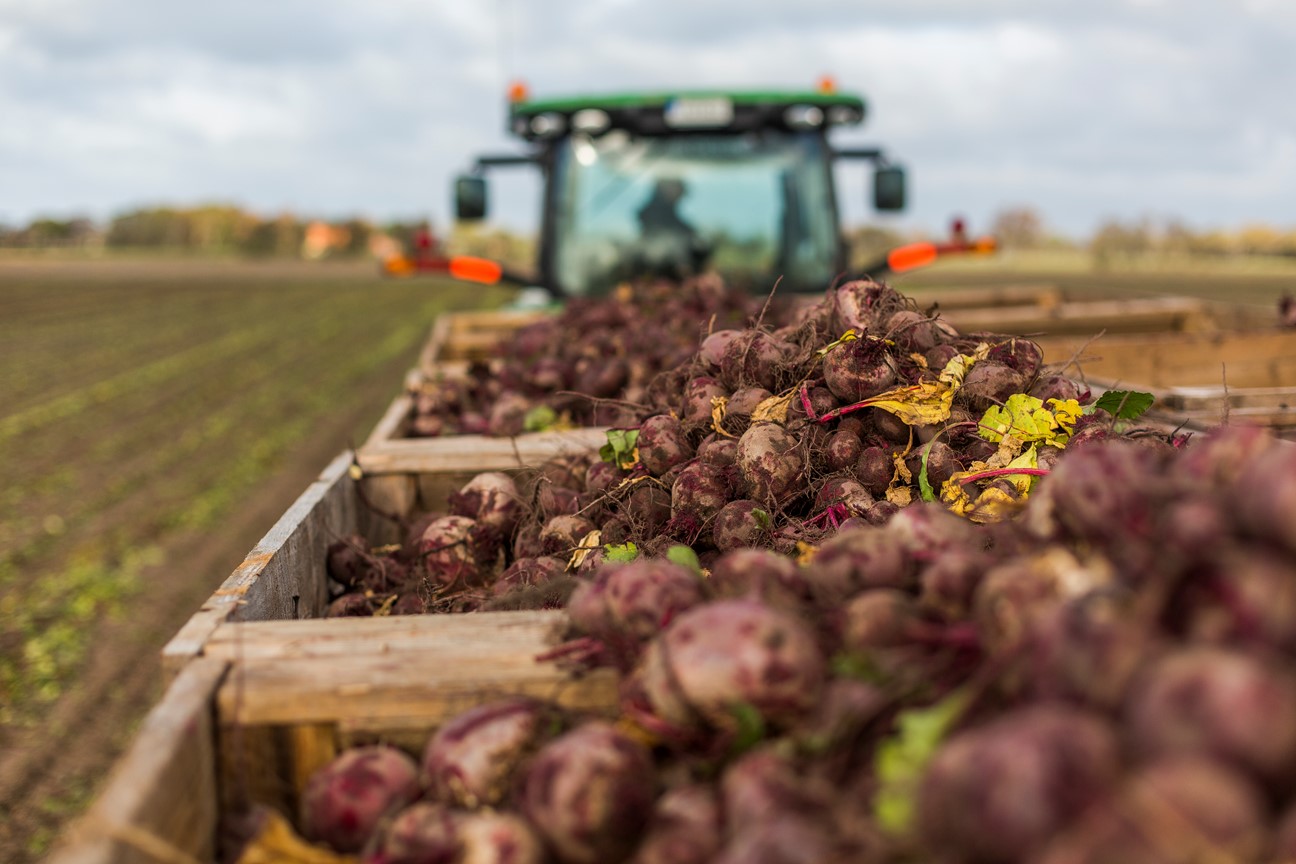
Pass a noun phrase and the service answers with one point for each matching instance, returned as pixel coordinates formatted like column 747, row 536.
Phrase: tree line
column 227, row 229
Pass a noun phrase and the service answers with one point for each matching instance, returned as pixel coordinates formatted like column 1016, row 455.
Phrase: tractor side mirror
column 889, row 188
column 470, row 198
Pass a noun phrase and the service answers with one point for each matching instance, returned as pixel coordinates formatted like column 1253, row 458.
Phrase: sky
column 1085, row 111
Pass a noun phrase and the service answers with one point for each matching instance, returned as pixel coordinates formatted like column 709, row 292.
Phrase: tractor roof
column 676, row 112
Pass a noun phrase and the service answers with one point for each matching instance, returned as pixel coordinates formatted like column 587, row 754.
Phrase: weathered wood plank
column 1089, row 317
column 1243, row 359
column 161, row 797
column 476, row 452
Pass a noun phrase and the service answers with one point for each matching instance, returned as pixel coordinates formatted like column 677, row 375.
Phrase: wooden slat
column 284, row 574
column 993, row 297
column 161, row 796
column 1243, row 359
column 476, row 452
column 1089, row 317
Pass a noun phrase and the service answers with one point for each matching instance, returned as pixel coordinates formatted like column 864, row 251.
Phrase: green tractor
column 673, row 184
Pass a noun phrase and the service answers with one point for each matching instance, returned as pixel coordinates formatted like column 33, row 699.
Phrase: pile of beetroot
column 1107, row 676
column 758, row 436
column 590, row 365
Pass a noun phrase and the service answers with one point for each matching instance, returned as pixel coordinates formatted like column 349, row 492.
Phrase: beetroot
column 699, row 402
column 755, row 359
column 1174, row 811
column 589, row 794
column 448, row 551
column 741, row 524
column 662, row 444
column 685, row 828
column 491, row 499
column 498, row 838
column 562, row 534
column 645, row 595
column 843, row 451
column 700, row 489
column 990, row 383
column 470, row 760
column 344, row 801
column 1268, row 514
column 729, row 653
column 348, row 560
column 1217, row 702
column 423, row 833
column 859, row 369
column 874, row 470
column 770, row 462
column 762, row 574
column 857, row 559
column 1002, row 790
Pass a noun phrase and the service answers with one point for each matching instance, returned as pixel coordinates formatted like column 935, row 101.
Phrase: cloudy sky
column 1084, row 110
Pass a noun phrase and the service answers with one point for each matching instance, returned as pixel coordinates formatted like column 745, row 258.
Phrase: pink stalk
column 1002, row 472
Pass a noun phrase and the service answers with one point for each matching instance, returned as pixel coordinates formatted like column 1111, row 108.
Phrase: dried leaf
column 774, row 409
column 719, row 405
column 901, row 496
column 588, row 544
column 805, row 552
column 928, row 402
column 276, row 843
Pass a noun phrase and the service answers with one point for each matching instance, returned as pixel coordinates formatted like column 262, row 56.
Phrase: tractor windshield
column 755, row 207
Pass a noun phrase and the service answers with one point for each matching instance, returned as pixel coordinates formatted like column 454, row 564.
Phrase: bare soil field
column 156, row 417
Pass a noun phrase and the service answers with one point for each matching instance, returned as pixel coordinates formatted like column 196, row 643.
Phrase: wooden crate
column 1204, row 379
column 274, row 701
column 284, row 577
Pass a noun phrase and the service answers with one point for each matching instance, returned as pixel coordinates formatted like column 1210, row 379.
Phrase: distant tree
column 279, row 237
column 1019, row 227
column 359, row 232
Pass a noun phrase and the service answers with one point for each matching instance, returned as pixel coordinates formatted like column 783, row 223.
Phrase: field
column 157, row 417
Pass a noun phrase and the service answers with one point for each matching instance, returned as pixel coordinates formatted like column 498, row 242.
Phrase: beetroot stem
column 1002, row 472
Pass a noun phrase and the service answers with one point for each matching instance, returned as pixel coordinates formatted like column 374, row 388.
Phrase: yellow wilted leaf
column 928, row 402
column 901, row 496
column 805, row 552
column 276, row 843
column 588, row 544
column 774, row 409
column 718, row 407
column 992, row 504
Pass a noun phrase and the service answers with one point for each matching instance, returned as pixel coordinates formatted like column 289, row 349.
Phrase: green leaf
column 622, row 554
column 1125, row 404
column 856, row 665
column 685, row 557
column 620, row 449
column 762, row 519
column 902, row 759
column 750, row 727
column 923, row 485
column 539, row 419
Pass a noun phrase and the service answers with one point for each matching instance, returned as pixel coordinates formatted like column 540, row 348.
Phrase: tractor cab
column 674, row 184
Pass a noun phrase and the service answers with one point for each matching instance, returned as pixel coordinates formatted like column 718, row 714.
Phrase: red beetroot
column 529, row 572
column 507, row 416
column 645, row 595
column 1216, row 702
column 1174, row 811
column 686, row 828
column 490, row 498
column 856, row 559
column 345, row 800
column 589, row 793
column 498, row 838
column 423, row 833
column 843, row 450
column 1001, row 791
column 1269, row 514
column 729, row 653
column 755, row 359
column 471, row 760
column 562, row 534
column 990, row 383
column 348, row 560
column 700, row 489
column 713, row 348
column 770, row 462
column 699, row 402
column 662, row 444
column 761, row 574
column 874, row 469
column 740, row 524
column 856, row 370
column 447, row 550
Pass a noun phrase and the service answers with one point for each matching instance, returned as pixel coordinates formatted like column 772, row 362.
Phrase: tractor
column 674, row 184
